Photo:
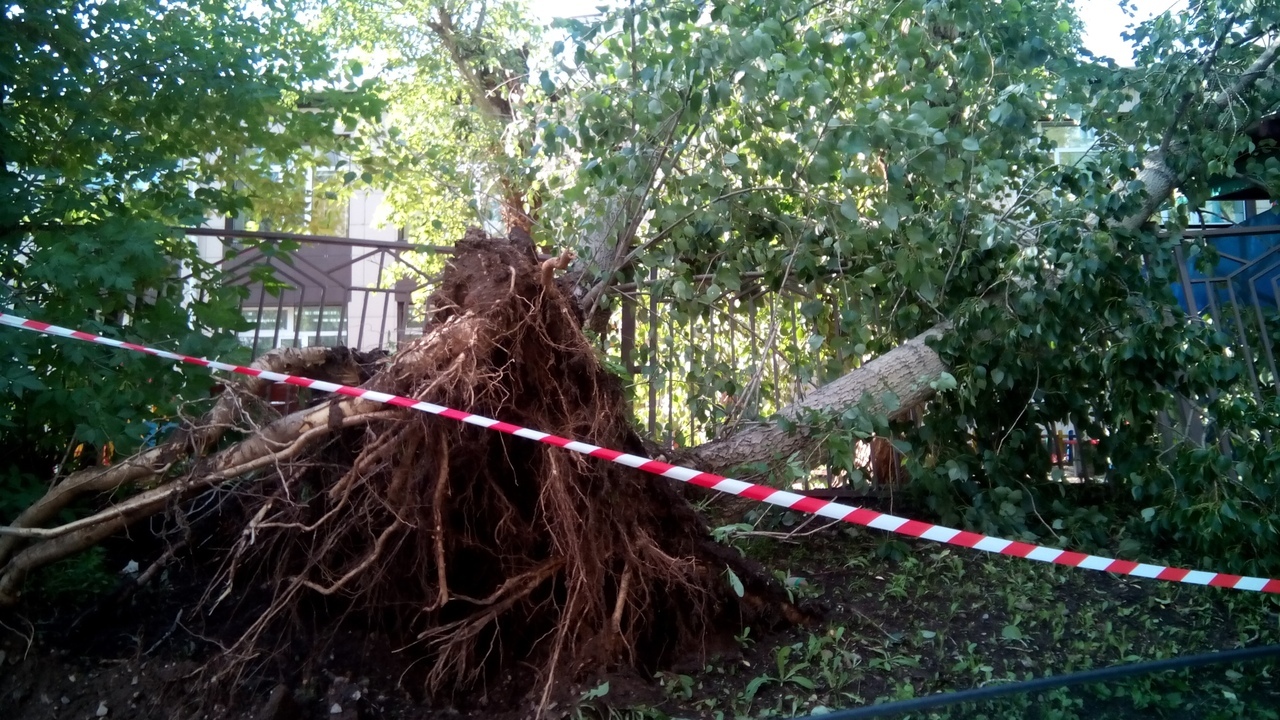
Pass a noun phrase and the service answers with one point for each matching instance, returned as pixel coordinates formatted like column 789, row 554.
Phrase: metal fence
column 1240, row 297
column 693, row 377
column 362, row 294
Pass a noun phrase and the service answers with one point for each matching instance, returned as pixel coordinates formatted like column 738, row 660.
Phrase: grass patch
column 908, row 619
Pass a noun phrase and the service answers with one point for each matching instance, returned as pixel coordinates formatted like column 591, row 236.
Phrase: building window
column 1074, row 145
column 326, row 213
column 321, row 323
column 1220, row 212
column 291, row 327
column 268, row 328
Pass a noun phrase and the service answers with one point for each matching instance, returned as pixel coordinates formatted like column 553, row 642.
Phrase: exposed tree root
column 151, row 466
column 481, row 553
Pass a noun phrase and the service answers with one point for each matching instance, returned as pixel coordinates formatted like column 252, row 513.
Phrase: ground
column 900, row 620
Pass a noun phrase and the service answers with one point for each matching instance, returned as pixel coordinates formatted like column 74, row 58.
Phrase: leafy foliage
column 119, row 121
column 454, row 136
column 882, row 163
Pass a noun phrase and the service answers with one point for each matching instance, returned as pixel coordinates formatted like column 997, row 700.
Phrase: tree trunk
column 906, row 372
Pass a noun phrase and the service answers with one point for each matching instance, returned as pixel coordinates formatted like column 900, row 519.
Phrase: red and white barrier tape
column 781, row 498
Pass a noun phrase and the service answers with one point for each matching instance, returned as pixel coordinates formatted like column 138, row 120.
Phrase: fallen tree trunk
column 905, row 372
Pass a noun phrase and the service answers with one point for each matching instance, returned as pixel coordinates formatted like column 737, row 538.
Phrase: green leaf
column 754, row 686
column 889, row 399
column 1011, row 632
column 849, row 209
column 803, row 682
column 890, row 217
column 970, row 144
column 736, row 583
column 945, row 382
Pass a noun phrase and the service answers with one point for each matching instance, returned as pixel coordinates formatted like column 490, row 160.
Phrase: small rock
column 65, row 700
column 335, row 709
column 131, row 568
column 355, row 695
column 72, row 678
column 134, row 681
column 45, row 699
column 102, row 710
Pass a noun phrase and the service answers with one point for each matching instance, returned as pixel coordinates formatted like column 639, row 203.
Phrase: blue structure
column 1246, row 260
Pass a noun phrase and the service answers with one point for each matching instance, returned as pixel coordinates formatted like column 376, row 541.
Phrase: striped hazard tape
column 781, row 498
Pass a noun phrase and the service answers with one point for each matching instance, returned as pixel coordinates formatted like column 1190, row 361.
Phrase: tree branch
column 485, row 95
column 591, row 300
column 280, row 440
column 1156, row 177
column 150, row 463
column 1205, row 66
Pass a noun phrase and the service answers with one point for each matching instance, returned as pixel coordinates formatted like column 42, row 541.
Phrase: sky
column 1103, row 19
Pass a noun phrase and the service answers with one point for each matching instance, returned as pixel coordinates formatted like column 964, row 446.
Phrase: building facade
column 353, row 286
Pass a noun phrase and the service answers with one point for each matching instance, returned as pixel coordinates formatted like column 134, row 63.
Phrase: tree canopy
column 118, row 122
column 794, row 185
column 880, row 169
column 457, row 131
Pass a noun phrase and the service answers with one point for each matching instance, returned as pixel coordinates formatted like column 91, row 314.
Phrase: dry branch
column 150, row 466
column 290, row 436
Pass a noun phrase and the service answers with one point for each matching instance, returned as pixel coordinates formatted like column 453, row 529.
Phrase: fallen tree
column 477, row 551
column 463, row 540
column 907, row 371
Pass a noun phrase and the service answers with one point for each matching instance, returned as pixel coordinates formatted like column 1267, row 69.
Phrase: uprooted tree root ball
column 486, row 559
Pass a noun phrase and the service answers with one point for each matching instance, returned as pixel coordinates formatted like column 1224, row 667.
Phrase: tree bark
column 906, row 371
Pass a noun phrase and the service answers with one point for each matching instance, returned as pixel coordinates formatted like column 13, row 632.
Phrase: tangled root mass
column 477, row 552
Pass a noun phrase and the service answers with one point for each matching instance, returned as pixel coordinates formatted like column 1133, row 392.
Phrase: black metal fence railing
column 964, row 701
